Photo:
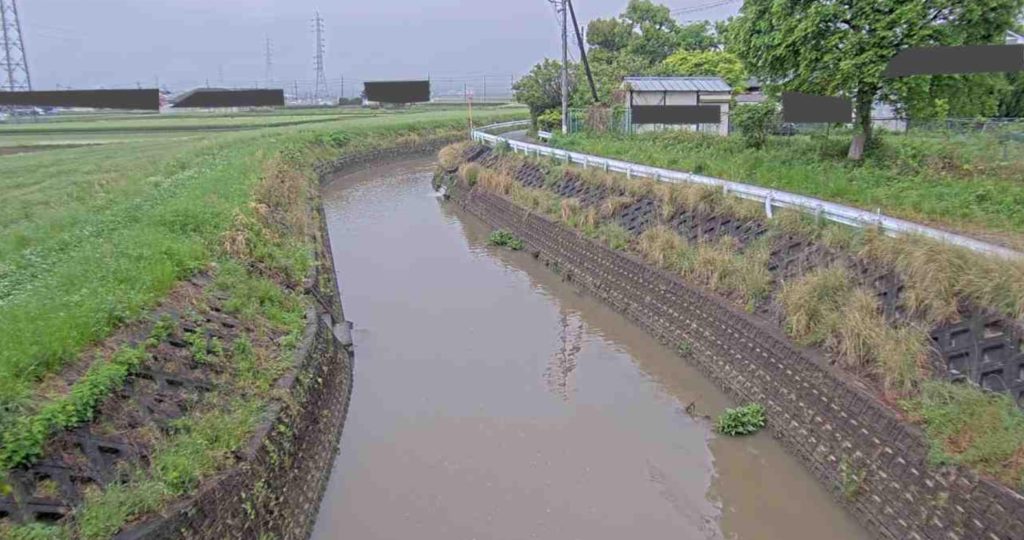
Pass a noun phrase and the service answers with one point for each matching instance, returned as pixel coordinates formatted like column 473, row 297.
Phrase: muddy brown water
column 494, row 401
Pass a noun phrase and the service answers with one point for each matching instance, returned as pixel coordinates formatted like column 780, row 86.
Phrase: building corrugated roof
column 677, row 84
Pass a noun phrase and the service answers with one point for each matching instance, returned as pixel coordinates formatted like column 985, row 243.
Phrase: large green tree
column 841, row 47
column 541, row 88
column 698, row 36
column 717, row 63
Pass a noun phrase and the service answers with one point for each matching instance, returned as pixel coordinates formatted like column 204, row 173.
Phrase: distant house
column 754, row 92
column 680, row 91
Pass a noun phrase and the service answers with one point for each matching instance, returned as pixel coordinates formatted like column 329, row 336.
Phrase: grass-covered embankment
column 826, row 307
column 961, row 183
column 94, row 238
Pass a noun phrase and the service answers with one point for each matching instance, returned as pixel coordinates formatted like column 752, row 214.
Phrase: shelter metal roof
column 677, row 84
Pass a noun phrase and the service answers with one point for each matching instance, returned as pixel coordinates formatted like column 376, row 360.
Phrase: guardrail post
column 606, row 165
column 629, row 172
column 567, row 157
column 768, row 206
column 586, row 160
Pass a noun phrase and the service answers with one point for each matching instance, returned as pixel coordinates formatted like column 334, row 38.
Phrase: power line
column 702, row 7
column 13, row 63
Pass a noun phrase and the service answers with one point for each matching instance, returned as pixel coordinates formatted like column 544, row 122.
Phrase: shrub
column 502, row 237
column 756, row 121
column 743, row 420
column 550, row 120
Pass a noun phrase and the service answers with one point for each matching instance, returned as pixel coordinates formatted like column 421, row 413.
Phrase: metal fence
column 772, row 199
column 619, row 121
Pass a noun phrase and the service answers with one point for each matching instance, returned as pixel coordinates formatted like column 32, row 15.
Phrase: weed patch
column 968, row 426
column 504, row 238
column 744, row 420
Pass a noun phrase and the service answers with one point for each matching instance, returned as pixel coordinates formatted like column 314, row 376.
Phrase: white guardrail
column 771, row 198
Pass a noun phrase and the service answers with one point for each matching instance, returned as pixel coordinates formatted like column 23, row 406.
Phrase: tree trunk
column 865, row 99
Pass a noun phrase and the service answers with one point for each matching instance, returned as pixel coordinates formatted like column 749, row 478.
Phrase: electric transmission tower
column 267, row 76
column 320, row 88
column 13, row 63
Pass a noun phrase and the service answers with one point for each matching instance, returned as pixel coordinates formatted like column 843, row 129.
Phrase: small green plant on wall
column 743, row 420
column 502, row 237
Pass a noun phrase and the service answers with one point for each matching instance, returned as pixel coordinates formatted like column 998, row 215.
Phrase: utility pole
column 565, row 69
column 269, row 63
column 320, row 87
column 13, row 62
column 342, row 86
column 583, row 51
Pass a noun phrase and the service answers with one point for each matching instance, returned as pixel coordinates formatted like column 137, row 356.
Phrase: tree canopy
column 638, row 42
column 541, row 89
column 716, row 63
column 843, row 47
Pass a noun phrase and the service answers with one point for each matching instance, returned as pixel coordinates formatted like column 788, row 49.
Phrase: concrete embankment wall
column 874, row 463
column 276, row 489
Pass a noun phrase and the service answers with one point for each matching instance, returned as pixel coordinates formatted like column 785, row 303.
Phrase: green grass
column 962, row 183
column 982, row 430
column 103, row 233
column 91, row 238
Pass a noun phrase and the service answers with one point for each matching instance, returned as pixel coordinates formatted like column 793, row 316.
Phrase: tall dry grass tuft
column 824, row 308
column 702, row 199
column 612, row 205
column 470, row 172
column 640, row 187
column 855, row 330
column 813, row 304
column 570, row 211
column 451, row 156
column 601, row 179
column 662, row 246
column 902, row 362
column 284, row 192
column 938, row 276
column 496, row 181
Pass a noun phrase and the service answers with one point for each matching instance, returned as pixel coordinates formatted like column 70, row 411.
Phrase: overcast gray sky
column 115, row 43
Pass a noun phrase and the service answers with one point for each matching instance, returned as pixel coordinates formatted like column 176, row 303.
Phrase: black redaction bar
column 397, row 91
column 212, row 98
column 146, row 99
column 956, row 60
column 798, row 107
column 676, row 114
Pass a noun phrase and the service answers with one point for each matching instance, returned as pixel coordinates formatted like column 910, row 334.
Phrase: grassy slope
column 91, row 237
column 956, row 183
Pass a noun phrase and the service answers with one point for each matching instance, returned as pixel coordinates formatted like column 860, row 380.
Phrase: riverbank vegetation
column 100, row 245
column 961, row 183
column 825, row 307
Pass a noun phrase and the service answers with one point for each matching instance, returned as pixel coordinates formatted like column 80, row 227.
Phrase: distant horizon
column 186, row 44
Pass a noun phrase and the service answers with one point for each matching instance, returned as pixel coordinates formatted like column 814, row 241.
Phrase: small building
column 648, row 91
column 754, row 92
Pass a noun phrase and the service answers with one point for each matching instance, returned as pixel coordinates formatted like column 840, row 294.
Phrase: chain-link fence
column 619, row 121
